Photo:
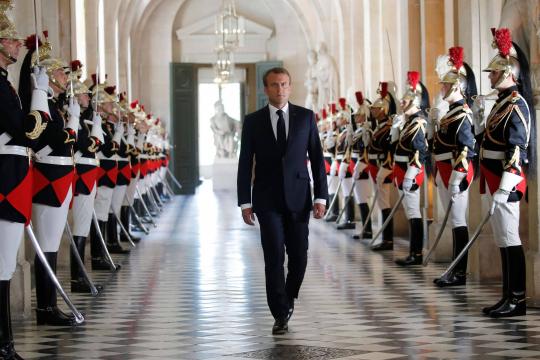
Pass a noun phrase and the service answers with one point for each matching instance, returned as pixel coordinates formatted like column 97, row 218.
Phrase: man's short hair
column 275, row 70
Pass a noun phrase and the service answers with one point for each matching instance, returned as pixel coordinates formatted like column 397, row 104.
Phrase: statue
column 327, row 80
column 522, row 17
column 311, row 81
column 226, row 132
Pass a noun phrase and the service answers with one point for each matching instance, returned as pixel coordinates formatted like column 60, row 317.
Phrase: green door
column 260, row 69
column 184, row 126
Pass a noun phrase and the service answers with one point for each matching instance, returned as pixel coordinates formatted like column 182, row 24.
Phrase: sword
column 156, row 196
column 79, row 318
column 37, row 33
column 368, row 218
column 77, row 256
column 467, row 246
column 334, row 199
column 104, row 246
column 146, row 207
column 124, row 229
column 441, row 230
column 390, row 216
column 177, row 183
column 165, row 184
column 137, row 218
column 152, row 199
column 342, row 211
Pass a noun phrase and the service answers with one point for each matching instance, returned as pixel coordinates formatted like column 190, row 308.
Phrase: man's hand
column 248, row 216
column 318, row 210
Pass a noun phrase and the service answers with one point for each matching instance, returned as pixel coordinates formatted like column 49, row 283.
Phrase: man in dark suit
column 279, row 139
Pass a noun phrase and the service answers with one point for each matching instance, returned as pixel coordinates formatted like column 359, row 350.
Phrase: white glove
column 74, row 111
column 97, row 129
column 330, row 141
column 40, row 85
column 40, row 79
column 455, row 180
column 333, row 168
column 366, row 133
column 382, row 174
column 500, row 197
column 118, row 133
column 410, row 175
column 130, row 135
column 343, row 170
column 397, row 125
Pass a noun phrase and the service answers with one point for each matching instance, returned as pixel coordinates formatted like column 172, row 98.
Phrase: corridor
column 194, row 289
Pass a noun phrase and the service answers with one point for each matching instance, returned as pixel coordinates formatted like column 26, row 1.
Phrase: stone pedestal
column 224, row 174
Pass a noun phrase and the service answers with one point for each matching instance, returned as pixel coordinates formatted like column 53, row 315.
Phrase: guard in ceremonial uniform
column 53, row 177
column 18, row 131
column 333, row 182
column 503, row 154
column 410, row 155
column 89, row 139
column 345, row 162
column 360, row 142
column 380, row 158
column 453, row 150
column 108, row 172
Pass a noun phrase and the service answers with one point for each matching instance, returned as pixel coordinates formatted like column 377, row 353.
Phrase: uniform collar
column 456, row 104
column 506, row 92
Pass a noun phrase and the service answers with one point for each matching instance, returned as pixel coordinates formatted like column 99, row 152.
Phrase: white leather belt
column 327, row 154
column 122, row 159
column 87, row 161
column 143, row 156
column 401, row 158
column 355, row 155
column 54, row 160
column 443, row 156
column 494, row 155
column 339, row 157
column 373, row 156
column 14, row 150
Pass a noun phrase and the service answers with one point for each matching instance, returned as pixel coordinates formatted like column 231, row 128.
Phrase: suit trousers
column 283, row 232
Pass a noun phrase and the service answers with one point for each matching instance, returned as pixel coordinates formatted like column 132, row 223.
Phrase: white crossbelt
column 355, row 155
column 494, row 155
column 339, row 157
column 401, row 158
column 443, row 156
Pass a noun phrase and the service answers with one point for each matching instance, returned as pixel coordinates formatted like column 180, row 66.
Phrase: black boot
column 459, row 276
column 149, row 204
column 47, row 311
column 504, row 263
column 141, row 213
column 334, row 210
column 515, row 304
column 125, row 218
column 7, row 349
column 112, row 237
column 348, row 224
column 388, row 233
column 416, row 231
column 96, row 247
column 78, row 281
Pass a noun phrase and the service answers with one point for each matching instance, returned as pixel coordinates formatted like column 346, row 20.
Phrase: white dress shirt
column 274, row 117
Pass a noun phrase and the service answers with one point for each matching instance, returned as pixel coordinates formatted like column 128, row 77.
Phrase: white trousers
column 102, row 203
column 363, row 190
column 504, row 222
column 10, row 241
column 49, row 223
column 346, row 186
column 131, row 191
column 383, row 199
column 82, row 209
column 458, row 213
column 333, row 182
column 411, row 204
column 118, row 196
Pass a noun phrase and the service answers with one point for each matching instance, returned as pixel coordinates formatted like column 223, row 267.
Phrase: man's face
column 377, row 113
column 12, row 47
column 278, row 89
column 61, row 77
column 84, row 100
column 359, row 118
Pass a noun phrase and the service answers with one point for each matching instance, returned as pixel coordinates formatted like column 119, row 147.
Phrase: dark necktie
column 281, row 135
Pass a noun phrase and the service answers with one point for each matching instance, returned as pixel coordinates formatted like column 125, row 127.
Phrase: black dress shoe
column 410, row 260
column 452, row 280
column 281, row 327
column 385, row 245
column 489, row 309
column 346, row 226
column 54, row 316
column 513, row 306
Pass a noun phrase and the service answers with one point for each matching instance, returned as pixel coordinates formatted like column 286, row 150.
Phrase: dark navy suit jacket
column 280, row 183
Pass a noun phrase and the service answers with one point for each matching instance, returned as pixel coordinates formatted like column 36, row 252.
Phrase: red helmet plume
column 413, row 78
column 456, row 56
column 503, row 40
column 359, row 97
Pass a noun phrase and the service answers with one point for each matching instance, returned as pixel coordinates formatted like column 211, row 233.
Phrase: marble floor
column 194, row 289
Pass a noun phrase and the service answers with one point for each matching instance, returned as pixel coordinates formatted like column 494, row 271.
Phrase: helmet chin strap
column 507, row 72
column 450, row 91
column 7, row 55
